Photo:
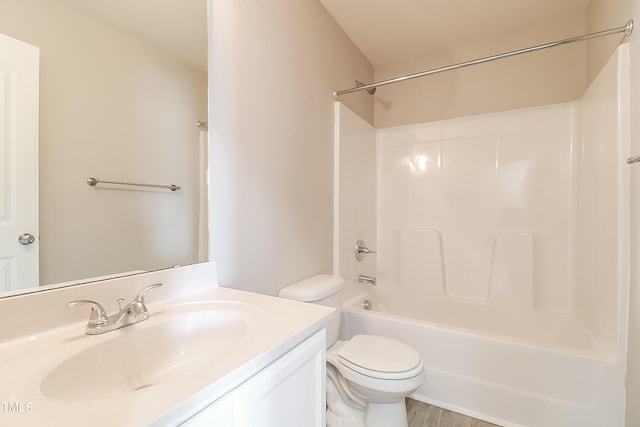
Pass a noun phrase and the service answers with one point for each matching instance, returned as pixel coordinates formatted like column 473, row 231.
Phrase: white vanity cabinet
column 290, row 392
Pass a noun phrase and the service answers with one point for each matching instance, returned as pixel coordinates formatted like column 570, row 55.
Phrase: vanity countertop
column 30, row 395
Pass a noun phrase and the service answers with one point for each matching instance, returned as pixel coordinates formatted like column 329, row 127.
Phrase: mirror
column 121, row 87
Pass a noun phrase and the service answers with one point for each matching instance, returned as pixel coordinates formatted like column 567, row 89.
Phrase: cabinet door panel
column 290, row 392
column 219, row 413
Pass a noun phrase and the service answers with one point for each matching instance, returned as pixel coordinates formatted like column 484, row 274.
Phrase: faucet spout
column 367, row 279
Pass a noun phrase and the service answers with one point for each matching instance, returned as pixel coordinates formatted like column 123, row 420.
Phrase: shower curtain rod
column 627, row 29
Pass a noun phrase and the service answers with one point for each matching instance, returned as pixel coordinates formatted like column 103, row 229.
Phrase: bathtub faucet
column 367, row 279
column 362, row 250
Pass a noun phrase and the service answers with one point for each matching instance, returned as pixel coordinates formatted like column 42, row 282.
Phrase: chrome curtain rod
column 94, row 181
column 627, row 29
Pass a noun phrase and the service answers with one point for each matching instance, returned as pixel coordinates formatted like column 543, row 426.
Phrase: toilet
column 368, row 376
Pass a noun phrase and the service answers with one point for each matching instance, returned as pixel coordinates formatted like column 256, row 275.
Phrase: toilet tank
column 323, row 289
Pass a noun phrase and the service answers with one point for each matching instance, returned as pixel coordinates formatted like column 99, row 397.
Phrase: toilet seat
column 380, row 357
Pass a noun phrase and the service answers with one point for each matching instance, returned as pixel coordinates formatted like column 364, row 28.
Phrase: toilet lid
column 380, row 357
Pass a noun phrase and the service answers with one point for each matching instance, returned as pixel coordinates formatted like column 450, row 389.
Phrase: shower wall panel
column 602, row 203
column 355, row 196
column 523, row 211
column 483, row 206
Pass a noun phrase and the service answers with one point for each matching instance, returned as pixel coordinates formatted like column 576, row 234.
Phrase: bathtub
column 536, row 369
column 502, row 252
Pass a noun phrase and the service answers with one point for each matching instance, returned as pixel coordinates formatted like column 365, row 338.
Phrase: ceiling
column 177, row 26
column 386, row 31
column 394, row 31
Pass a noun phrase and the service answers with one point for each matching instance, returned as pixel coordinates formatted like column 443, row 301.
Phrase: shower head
column 370, row 91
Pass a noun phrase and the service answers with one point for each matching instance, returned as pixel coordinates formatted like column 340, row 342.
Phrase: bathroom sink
column 172, row 347
column 193, row 350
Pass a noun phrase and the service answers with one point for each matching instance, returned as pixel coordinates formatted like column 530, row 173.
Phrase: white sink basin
column 172, row 346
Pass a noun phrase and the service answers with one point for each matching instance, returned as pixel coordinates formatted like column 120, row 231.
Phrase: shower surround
column 502, row 252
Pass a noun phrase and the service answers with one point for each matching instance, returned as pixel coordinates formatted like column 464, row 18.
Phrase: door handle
column 26, row 239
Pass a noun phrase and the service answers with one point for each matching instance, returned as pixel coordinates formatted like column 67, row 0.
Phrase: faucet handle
column 98, row 315
column 137, row 308
column 362, row 250
column 140, row 296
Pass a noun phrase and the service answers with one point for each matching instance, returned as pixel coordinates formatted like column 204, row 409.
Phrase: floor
column 423, row 415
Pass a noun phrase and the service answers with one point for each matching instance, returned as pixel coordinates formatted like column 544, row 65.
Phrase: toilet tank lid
column 313, row 288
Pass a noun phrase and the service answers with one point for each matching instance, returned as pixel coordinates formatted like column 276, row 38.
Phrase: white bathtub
column 534, row 369
column 502, row 252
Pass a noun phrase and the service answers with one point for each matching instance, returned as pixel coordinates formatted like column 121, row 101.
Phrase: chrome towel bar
column 94, row 181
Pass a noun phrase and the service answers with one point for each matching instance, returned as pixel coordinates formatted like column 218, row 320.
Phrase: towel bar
column 94, row 181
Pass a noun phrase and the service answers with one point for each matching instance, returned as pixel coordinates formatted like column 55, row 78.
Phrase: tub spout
column 367, row 279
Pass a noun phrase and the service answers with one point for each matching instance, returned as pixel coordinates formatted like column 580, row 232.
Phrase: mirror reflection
column 121, row 87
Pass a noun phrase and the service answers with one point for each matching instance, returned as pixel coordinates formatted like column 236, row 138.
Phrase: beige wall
column 550, row 76
column 274, row 64
column 545, row 77
column 117, row 109
column 272, row 218
column 603, row 15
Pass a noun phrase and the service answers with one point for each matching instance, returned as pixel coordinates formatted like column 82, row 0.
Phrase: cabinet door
column 218, row 414
column 288, row 393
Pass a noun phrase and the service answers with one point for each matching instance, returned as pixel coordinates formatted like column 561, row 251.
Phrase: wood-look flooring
column 423, row 415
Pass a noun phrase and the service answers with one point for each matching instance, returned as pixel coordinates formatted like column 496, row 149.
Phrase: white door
column 19, row 89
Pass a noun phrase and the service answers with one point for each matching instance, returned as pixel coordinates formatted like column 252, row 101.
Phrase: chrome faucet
column 367, row 279
column 99, row 322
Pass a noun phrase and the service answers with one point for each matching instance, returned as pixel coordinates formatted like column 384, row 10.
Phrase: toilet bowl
column 368, row 376
column 379, row 372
